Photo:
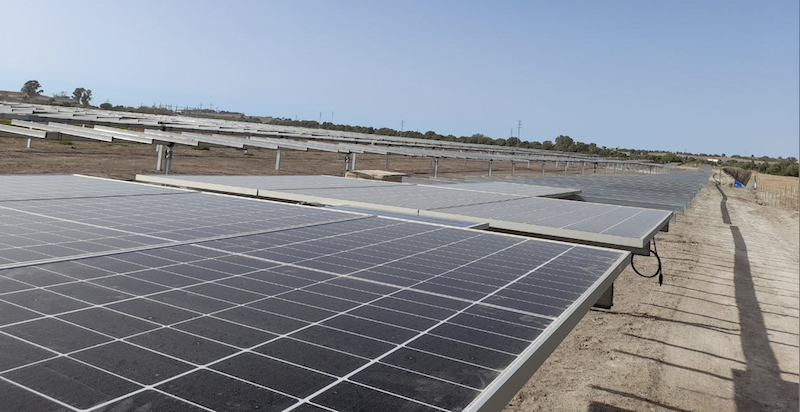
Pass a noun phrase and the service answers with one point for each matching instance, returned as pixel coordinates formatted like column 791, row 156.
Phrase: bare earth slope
column 720, row 335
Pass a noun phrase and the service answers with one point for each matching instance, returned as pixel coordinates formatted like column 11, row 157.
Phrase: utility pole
column 320, row 119
column 331, row 116
column 519, row 127
column 402, row 124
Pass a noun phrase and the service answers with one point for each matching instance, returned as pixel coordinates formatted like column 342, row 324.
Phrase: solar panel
column 599, row 224
column 668, row 191
column 31, row 187
column 302, row 311
column 371, row 314
column 506, row 188
column 139, row 216
column 415, row 218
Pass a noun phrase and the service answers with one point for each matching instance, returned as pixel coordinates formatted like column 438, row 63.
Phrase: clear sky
column 703, row 76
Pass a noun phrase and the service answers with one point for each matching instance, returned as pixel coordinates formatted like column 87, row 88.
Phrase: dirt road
column 720, row 335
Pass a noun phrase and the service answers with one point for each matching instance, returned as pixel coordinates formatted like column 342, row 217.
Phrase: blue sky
column 704, row 76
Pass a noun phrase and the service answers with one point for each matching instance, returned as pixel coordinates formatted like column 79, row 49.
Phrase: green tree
column 87, row 97
column 78, row 94
column 564, row 143
column 547, row 145
column 536, row 145
column 31, row 88
column 106, row 106
column 512, row 141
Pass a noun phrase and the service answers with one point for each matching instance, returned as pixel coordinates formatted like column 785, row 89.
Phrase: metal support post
column 556, row 164
column 565, row 168
column 387, row 161
column 543, row 167
column 512, row 168
column 529, row 164
column 583, row 168
column 168, row 158
column 435, row 167
column 490, row 167
column 346, row 164
column 160, row 154
column 353, row 166
column 606, row 300
column 29, row 143
column 278, row 159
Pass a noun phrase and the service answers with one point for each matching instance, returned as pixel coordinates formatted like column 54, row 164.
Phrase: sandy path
column 720, row 335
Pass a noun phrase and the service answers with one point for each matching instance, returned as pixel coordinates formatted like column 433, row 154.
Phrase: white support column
column 435, row 167
column 490, row 167
column 583, row 168
column 346, row 164
column 353, row 166
column 556, row 164
column 544, row 163
column 529, row 164
column 387, row 162
column 29, row 143
column 160, row 154
column 278, row 159
column 565, row 168
column 512, row 168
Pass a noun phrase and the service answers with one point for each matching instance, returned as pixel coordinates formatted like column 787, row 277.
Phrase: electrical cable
column 659, row 272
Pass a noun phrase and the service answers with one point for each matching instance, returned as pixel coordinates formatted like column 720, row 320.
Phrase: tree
column 78, row 94
column 32, row 88
column 536, row 145
column 87, row 97
column 513, row 141
column 564, row 143
column 547, row 145
column 106, row 106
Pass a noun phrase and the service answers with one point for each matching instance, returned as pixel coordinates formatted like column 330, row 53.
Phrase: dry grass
column 777, row 182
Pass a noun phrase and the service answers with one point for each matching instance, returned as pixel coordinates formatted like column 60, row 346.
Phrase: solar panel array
column 629, row 228
column 672, row 191
column 205, row 302
column 236, row 134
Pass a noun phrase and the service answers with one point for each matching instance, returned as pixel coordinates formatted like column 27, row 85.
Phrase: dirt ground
column 124, row 161
column 721, row 334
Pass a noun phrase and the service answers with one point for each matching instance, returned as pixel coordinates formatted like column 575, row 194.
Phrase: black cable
column 658, row 271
